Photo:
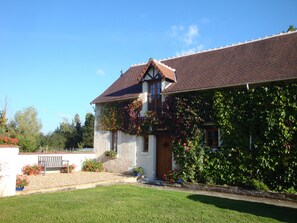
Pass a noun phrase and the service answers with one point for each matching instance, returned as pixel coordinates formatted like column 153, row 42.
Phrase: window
column 212, row 137
column 154, row 96
column 145, row 144
column 114, row 141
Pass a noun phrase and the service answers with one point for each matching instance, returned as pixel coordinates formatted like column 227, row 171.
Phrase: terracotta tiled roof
column 126, row 87
column 164, row 70
column 260, row 61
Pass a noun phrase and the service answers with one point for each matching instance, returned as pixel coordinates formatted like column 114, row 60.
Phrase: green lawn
column 127, row 203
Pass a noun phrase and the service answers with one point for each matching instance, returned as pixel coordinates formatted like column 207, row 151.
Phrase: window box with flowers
column 111, row 154
column 21, row 182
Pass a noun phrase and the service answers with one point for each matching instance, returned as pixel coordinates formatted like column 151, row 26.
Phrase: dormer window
column 154, row 96
column 155, row 75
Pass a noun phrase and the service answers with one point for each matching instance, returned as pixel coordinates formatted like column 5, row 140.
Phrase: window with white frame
column 145, row 144
column 154, row 96
column 114, row 141
column 212, row 136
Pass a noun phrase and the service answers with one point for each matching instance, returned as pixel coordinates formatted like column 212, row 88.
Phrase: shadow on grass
column 259, row 209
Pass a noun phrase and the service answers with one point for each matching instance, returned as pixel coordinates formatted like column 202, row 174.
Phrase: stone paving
column 51, row 182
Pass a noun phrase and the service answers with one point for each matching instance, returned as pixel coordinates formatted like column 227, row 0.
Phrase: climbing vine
column 258, row 130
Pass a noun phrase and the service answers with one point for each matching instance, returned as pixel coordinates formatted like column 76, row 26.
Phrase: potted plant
column 111, row 154
column 21, row 182
column 64, row 168
column 138, row 171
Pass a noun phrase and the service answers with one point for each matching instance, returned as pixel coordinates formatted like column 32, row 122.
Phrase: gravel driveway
column 51, row 182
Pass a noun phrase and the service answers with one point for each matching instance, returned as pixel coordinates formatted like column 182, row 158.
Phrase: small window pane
column 212, row 137
column 114, row 141
column 154, row 96
column 145, row 143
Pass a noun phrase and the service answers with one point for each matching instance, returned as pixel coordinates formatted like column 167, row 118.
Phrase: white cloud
column 186, row 38
column 176, row 30
column 100, row 72
column 191, row 35
column 186, row 35
column 190, row 51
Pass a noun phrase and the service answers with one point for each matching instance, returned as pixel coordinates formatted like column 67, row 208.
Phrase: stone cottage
column 266, row 60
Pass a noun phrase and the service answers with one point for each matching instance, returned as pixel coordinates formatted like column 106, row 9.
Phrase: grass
column 127, row 203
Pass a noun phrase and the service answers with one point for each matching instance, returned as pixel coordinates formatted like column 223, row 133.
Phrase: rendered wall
column 74, row 158
column 8, row 171
column 126, row 151
column 147, row 160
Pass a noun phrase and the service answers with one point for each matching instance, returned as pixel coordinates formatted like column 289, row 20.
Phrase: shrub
column 259, row 185
column 90, row 165
column 21, row 181
column 64, row 168
column 32, row 169
column 189, row 156
column 291, row 190
column 173, row 176
column 111, row 154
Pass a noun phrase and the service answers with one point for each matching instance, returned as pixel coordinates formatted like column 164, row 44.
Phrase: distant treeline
column 26, row 127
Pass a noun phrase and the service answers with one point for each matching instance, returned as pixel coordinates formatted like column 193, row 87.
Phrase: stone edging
column 8, row 146
column 127, row 180
column 241, row 191
column 56, row 153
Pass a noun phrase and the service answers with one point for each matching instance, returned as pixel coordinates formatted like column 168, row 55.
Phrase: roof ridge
column 232, row 45
column 170, row 68
column 138, row 64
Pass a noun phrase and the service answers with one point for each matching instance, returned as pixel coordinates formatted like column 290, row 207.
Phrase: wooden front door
column 164, row 155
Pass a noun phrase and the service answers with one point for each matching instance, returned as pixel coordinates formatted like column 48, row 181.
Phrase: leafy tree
column 26, row 128
column 291, row 28
column 77, row 132
column 3, row 119
column 64, row 131
column 88, row 131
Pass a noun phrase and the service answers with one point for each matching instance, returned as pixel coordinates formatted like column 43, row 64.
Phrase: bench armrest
column 66, row 161
column 41, row 162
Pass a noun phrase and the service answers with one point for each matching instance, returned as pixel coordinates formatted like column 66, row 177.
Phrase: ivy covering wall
column 258, row 130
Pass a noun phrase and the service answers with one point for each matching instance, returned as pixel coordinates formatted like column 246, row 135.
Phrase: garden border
column 241, row 191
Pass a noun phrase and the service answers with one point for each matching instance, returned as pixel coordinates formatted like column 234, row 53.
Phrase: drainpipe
column 250, row 138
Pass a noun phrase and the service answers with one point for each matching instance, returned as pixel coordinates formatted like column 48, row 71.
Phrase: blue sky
column 58, row 55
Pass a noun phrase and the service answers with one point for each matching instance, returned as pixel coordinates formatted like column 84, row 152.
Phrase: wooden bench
column 52, row 162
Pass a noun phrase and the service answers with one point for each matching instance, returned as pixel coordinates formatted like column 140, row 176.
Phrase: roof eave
column 227, row 86
column 114, row 100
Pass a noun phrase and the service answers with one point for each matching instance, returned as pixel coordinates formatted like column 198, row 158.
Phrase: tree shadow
column 284, row 214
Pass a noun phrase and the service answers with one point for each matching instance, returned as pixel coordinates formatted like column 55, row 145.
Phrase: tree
column 27, row 128
column 3, row 118
column 77, row 132
column 291, row 28
column 88, row 131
